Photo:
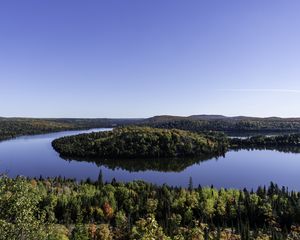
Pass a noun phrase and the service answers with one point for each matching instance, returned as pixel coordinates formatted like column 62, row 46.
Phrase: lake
column 33, row 156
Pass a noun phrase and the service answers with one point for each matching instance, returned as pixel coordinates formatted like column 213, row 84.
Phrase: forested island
column 145, row 142
column 58, row 209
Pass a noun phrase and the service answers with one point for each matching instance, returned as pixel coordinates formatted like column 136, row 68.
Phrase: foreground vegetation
column 133, row 142
column 64, row 209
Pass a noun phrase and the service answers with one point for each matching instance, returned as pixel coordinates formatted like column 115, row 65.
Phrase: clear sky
column 139, row 58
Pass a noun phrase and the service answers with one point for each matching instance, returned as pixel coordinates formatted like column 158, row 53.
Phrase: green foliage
column 146, row 229
column 80, row 232
column 59, row 232
column 229, row 125
column 210, row 125
column 20, row 217
column 14, row 127
column 103, row 232
column 288, row 142
column 133, row 142
column 56, row 209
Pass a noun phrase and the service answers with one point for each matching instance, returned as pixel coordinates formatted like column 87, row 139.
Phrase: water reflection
column 34, row 156
column 283, row 149
column 155, row 164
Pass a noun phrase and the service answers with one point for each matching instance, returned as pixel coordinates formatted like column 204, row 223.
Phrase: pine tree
column 191, row 184
column 100, row 179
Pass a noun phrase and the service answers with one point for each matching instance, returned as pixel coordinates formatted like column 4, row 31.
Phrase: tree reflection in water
column 139, row 164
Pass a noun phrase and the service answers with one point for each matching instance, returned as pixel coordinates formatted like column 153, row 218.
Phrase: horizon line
column 157, row 115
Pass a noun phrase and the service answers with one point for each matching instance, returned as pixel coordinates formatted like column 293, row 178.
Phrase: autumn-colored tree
column 108, row 210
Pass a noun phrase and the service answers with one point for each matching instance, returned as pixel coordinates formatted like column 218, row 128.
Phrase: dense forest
column 10, row 128
column 289, row 141
column 58, row 209
column 229, row 125
column 14, row 127
column 133, row 142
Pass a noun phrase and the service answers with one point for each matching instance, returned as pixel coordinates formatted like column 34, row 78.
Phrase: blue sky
column 133, row 58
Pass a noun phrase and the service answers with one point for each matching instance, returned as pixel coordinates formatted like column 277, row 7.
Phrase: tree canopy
column 133, row 142
column 53, row 209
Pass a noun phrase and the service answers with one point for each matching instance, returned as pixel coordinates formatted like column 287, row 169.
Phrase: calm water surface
column 34, row 156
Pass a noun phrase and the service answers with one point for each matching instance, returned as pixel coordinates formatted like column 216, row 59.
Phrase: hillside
column 291, row 141
column 13, row 127
column 229, row 125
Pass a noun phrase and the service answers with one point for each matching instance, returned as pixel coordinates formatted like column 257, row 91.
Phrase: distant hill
column 12, row 127
column 207, row 117
column 162, row 118
column 221, row 117
column 229, row 125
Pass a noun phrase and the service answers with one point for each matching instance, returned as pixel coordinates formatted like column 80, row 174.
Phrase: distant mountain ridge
column 208, row 117
column 12, row 127
column 160, row 118
column 230, row 125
